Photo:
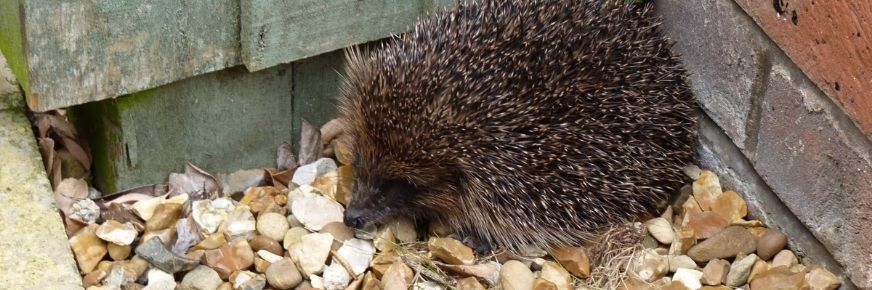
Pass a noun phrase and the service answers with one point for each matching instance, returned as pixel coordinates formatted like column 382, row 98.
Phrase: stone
column 684, row 240
column 229, row 258
column 124, row 273
column 784, row 258
column 160, row 280
column 770, row 244
column 327, row 184
column 740, row 270
column 469, row 283
column 201, row 278
column 451, row 251
column 209, row 215
column 370, row 282
column 682, row 261
column 272, row 225
column 688, row 277
column 357, row 254
column 283, row 274
column 397, row 277
column 117, row 233
column 261, row 265
column 293, row 237
column 88, row 248
column 312, row 252
column 187, row 235
column 260, row 199
column 340, row 232
column 715, row 272
column 335, row 277
column 661, row 229
column 706, row 224
column 85, row 210
column 239, row 224
column 267, row 256
column 574, row 259
column 247, row 280
column 167, row 236
column 690, row 206
column 261, row 242
column 759, row 267
column 554, row 273
column 212, row 241
column 97, row 275
column 650, row 266
column 242, row 180
column 306, row 174
column 730, row 206
column 314, row 212
column 542, row 284
column 726, row 244
column 706, row 189
column 117, row 252
column 165, row 215
column 821, row 279
column 403, row 228
column 346, row 183
column 225, row 286
column 385, row 240
column 145, row 208
column 779, row 278
column 514, row 275
column 293, row 221
column 158, row 255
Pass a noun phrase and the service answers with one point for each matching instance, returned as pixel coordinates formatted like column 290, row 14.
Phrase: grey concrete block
column 34, row 252
column 727, row 57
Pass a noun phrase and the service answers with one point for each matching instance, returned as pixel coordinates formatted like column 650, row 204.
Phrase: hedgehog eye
column 397, row 187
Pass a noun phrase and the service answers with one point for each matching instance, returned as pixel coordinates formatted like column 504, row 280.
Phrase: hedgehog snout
column 354, row 218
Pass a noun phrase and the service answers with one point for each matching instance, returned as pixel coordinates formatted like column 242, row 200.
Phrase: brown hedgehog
column 520, row 123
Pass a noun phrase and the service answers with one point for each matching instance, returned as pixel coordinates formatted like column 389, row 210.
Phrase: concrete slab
column 34, row 252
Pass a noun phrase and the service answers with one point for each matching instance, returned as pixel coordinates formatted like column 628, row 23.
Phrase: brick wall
column 794, row 146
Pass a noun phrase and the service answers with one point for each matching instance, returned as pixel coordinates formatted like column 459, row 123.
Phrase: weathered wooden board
column 279, row 31
column 221, row 121
column 831, row 41
column 81, row 51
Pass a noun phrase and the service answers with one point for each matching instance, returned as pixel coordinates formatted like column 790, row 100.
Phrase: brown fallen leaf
column 132, row 195
column 122, row 214
column 68, row 192
column 285, row 157
column 310, row 144
column 196, row 182
column 279, row 179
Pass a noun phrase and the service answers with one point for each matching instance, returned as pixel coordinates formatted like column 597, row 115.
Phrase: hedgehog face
column 375, row 198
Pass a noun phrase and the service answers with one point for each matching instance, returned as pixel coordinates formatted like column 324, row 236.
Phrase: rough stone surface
column 726, row 55
column 33, row 244
column 808, row 157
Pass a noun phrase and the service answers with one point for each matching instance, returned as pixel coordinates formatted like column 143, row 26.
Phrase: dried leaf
column 285, row 157
column 60, row 126
column 46, row 149
column 122, row 214
column 310, row 144
column 68, row 192
column 132, row 195
column 78, row 151
column 279, row 179
column 196, row 182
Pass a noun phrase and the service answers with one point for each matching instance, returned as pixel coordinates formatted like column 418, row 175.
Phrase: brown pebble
column 779, row 278
column 117, row 252
column 261, row 242
column 707, row 224
column 469, row 283
column 728, row 243
column 770, row 244
column 165, row 215
column 542, row 284
column 715, row 272
column 574, row 259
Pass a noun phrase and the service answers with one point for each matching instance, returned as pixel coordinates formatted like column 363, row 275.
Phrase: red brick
column 831, row 41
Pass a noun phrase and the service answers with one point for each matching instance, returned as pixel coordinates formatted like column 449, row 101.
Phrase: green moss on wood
column 11, row 41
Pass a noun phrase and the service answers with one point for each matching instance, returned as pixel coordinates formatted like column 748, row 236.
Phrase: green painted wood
column 11, row 41
column 82, row 51
column 222, row 122
column 280, row 31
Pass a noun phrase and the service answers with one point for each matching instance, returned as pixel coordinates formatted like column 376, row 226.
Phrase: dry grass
column 611, row 257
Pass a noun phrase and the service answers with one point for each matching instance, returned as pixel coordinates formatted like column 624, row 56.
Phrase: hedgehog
column 517, row 124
